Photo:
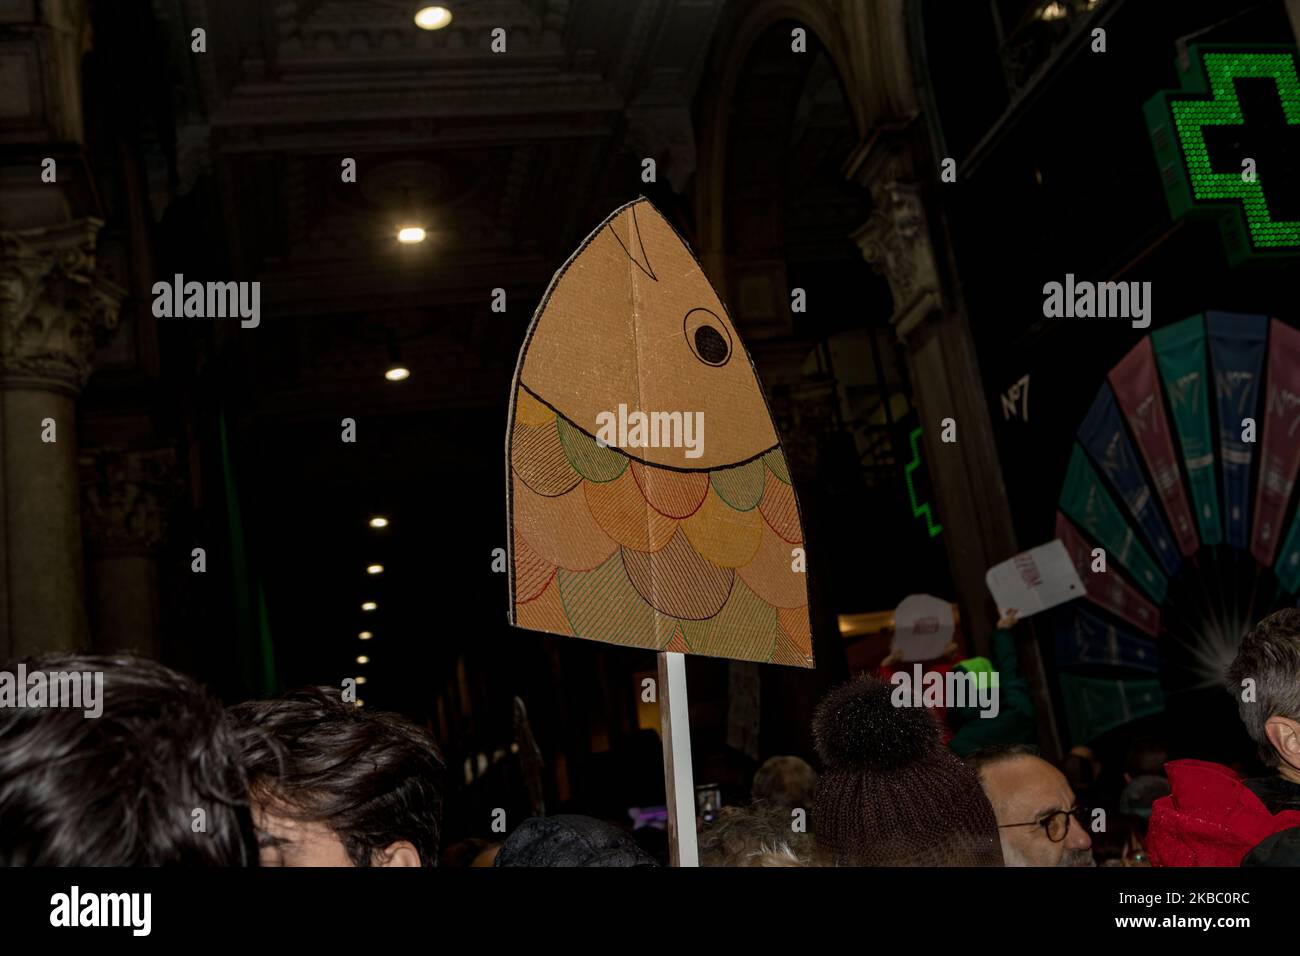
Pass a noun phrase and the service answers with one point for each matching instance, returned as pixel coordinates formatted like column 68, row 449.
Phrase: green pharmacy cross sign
column 1236, row 104
column 918, row 510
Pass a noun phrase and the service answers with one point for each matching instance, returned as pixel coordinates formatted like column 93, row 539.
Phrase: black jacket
column 1283, row 847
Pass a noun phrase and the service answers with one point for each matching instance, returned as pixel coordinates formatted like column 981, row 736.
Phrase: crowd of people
column 164, row 774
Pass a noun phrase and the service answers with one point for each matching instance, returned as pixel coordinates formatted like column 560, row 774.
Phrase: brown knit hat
column 891, row 793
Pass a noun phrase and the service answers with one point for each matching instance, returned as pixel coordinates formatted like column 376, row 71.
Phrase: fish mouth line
column 615, row 448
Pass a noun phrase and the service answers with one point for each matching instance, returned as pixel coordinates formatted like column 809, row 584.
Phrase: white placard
column 1035, row 580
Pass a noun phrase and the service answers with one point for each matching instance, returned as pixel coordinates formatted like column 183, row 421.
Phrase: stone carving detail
column 125, row 496
column 896, row 242
column 54, row 306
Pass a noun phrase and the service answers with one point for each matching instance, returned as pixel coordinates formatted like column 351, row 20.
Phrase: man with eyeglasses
column 1038, row 819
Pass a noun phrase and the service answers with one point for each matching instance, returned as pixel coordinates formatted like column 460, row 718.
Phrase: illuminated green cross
column 918, row 509
column 1181, row 122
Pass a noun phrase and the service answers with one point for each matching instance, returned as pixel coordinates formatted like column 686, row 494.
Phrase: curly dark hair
column 122, row 788
column 373, row 778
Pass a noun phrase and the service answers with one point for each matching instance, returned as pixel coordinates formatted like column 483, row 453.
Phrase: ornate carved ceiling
column 504, row 158
column 497, row 146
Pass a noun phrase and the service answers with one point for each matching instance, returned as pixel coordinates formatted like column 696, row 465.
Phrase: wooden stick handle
column 679, row 780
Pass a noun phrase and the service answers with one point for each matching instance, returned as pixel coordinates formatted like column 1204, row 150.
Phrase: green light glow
column 911, row 466
column 1178, row 121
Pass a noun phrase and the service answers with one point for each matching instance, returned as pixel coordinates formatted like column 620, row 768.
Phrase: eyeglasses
column 1056, row 825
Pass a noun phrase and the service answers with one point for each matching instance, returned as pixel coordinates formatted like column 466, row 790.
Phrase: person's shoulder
column 1280, row 849
column 1277, row 793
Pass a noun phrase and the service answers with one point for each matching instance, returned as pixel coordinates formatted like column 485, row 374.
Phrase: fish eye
column 707, row 337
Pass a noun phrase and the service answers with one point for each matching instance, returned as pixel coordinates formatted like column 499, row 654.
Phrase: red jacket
column 1211, row 818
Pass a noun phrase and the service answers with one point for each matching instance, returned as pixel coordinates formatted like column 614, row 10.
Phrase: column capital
column 896, row 239
column 896, row 242
column 54, row 306
column 125, row 496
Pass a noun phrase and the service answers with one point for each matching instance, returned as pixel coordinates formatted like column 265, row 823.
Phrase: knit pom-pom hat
column 891, row 793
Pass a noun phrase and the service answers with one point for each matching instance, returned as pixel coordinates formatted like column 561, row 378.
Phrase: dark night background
column 782, row 170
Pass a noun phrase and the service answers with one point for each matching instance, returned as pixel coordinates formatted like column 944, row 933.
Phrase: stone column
column 900, row 243
column 907, row 246
column 125, row 497
column 53, row 303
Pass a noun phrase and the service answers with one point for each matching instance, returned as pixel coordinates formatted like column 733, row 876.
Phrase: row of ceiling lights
column 426, row 18
column 378, row 523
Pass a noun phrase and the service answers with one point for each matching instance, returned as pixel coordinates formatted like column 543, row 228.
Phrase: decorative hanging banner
column 1086, row 502
column 1107, row 589
column 1094, row 706
column 1084, row 638
column 1103, row 435
column 1279, row 455
column 1180, row 354
column 1137, row 388
column 1237, row 356
column 630, row 521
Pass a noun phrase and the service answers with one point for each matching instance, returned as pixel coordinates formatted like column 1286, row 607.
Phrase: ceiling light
column 397, row 370
column 379, row 521
column 369, row 606
column 360, row 679
column 362, row 659
column 432, row 18
column 410, row 234
column 375, row 569
column 365, row 635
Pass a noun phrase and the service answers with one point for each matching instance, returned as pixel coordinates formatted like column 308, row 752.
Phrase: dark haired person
column 154, row 778
column 335, row 785
column 1213, row 817
column 1269, row 656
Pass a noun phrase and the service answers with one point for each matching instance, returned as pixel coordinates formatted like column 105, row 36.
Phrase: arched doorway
column 777, row 213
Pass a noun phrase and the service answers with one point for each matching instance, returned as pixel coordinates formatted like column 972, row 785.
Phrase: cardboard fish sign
column 649, row 500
